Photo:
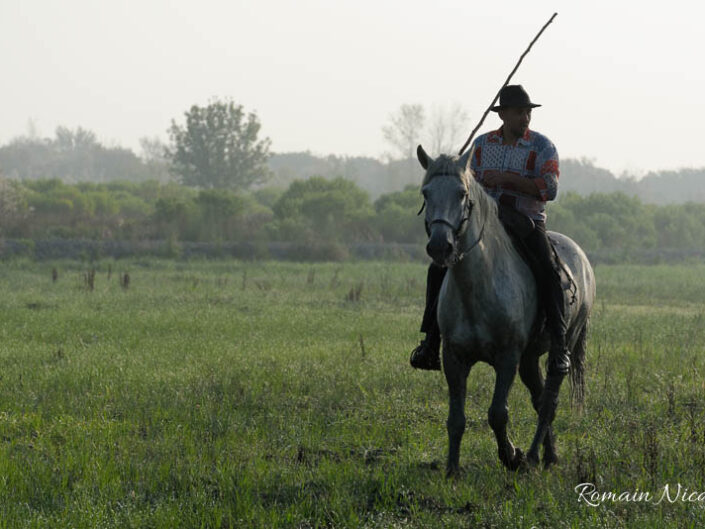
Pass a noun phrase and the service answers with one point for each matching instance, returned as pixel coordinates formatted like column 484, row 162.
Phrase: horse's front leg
column 498, row 415
column 456, row 373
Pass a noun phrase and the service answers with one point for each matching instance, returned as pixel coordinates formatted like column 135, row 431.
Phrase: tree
column 154, row 155
column 72, row 156
column 396, row 218
column 75, row 140
column 13, row 205
column 405, row 129
column 318, row 209
column 218, row 147
column 446, row 128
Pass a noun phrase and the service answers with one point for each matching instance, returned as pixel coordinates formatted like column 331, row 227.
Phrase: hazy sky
column 621, row 81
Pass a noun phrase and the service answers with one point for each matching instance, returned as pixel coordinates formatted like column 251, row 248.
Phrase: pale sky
column 621, row 81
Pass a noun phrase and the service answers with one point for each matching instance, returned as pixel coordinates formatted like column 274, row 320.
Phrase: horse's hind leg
column 530, row 374
column 547, row 410
column 498, row 416
column 456, row 374
column 577, row 367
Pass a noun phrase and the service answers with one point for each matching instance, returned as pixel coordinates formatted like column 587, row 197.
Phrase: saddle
column 519, row 226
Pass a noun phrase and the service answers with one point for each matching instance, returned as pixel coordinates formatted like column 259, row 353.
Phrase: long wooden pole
column 472, row 134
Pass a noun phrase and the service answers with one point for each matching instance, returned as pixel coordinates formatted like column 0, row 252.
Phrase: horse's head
column 446, row 190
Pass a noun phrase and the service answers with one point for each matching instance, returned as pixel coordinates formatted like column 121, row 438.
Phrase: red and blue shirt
column 533, row 156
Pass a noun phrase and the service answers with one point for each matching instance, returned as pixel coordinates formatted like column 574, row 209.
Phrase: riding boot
column 558, row 354
column 551, row 294
column 427, row 354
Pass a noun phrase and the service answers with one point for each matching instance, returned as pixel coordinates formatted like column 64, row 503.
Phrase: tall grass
column 230, row 394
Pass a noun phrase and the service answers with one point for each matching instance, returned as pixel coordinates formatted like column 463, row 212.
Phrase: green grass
column 230, row 394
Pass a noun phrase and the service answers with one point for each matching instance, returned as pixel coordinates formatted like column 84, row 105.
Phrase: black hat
column 513, row 95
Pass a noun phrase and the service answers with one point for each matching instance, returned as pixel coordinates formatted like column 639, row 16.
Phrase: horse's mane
column 450, row 165
column 446, row 165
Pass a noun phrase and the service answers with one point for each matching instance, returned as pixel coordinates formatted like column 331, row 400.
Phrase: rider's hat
column 514, row 95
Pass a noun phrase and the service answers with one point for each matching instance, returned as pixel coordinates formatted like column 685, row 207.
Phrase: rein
column 456, row 231
column 479, row 238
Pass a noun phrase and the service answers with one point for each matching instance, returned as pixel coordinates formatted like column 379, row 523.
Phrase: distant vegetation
column 72, row 156
column 580, row 176
column 216, row 182
column 312, row 211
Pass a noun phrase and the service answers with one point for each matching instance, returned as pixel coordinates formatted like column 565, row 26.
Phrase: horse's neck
column 493, row 259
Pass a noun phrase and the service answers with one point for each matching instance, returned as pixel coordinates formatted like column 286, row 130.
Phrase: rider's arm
column 547, row 180
column 516, row 182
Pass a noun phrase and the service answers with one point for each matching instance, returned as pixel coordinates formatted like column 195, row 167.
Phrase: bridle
column 457, row 230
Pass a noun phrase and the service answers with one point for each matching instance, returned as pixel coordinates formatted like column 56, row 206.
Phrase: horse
column 489, row 309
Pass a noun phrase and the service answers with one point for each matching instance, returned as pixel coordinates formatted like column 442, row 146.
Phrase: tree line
column 312, row 211
column 217, row 181
column 219, row 146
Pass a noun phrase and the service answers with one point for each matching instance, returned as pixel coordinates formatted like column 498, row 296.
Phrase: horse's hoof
column 452, row 472
column 533, row 459
column 519, row 460
column 549, row 460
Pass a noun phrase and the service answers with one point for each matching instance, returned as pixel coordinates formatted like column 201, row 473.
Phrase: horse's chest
column 483, row 331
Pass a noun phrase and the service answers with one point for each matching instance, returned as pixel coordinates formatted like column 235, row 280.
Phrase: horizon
column 382, row 159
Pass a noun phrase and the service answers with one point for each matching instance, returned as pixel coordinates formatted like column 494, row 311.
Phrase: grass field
column 229, row 394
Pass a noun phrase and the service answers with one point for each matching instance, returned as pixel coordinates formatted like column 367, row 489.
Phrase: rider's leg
column 426, row 354
column 549, row 283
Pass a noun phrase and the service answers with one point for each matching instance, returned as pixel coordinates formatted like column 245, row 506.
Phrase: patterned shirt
column 534, row 156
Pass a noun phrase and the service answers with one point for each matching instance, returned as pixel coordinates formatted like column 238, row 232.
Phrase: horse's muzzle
column 441, row 245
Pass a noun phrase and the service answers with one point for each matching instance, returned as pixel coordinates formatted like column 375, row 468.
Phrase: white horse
column 488, row 307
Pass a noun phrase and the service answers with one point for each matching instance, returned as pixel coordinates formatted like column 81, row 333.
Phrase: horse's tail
column 577, row 368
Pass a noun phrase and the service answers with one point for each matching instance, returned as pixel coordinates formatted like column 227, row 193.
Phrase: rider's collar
column 497, row 136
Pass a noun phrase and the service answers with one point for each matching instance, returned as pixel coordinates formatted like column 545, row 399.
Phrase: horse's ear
column 424, row 158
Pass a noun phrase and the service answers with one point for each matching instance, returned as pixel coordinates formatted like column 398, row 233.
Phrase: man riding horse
column 518, row 167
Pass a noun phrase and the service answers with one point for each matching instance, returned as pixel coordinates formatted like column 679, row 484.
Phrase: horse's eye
column 462, row 194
